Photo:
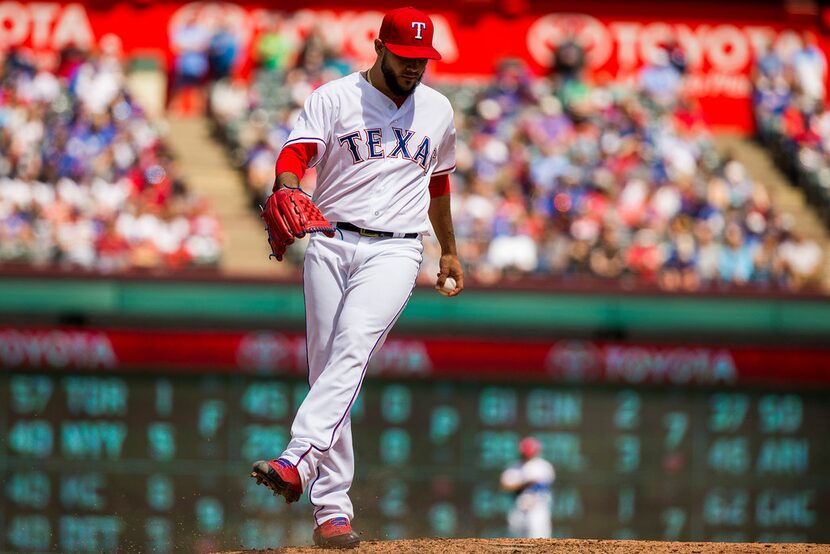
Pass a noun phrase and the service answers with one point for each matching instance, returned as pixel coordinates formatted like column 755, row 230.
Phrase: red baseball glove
column 289, row 213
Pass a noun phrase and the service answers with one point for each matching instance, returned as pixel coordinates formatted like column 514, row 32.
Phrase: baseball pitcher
column 384, row 146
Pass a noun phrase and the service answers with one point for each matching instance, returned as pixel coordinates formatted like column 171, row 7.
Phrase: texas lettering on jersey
column 371, row 147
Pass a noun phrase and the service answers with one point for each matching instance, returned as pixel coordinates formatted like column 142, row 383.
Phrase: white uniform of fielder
column 531, row 480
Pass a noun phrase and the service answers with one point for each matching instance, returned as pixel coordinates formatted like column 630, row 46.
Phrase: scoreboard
column 159, row 462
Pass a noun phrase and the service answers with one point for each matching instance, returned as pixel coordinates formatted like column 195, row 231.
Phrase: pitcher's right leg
column 324, row 277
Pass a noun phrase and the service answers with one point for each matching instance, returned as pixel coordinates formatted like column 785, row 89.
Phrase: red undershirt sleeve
column 294, row 158
column 439, row 185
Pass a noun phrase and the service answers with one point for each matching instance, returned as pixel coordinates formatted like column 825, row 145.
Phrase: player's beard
column 391, row 79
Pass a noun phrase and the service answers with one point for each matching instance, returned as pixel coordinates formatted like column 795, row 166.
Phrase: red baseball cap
column 529, row 447
column 407, row 33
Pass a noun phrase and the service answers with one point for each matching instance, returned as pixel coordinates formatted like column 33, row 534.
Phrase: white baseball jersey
column 375, row 159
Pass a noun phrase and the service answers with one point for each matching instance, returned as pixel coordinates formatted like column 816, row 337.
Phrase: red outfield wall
column 553, row 361
column 720, row 39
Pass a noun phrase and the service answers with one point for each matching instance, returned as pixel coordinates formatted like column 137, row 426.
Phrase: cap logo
column 419, row 26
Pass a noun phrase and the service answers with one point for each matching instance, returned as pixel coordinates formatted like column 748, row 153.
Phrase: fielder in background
column 384, row 146
column 531, row 481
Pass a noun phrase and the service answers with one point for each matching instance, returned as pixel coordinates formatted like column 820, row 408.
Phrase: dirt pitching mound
column 556, row 546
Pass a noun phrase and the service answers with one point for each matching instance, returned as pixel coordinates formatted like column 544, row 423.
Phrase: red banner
column 720, row 46
column 554, row 361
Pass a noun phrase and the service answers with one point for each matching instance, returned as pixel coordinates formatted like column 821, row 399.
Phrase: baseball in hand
column 449, row 286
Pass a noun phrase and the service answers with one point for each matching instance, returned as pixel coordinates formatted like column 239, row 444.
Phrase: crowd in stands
column 563, row 177
column 560, row 176
column 792, row 116
column 85, row 180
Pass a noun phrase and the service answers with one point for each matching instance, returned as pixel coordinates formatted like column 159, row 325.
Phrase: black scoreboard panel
column 153, row 463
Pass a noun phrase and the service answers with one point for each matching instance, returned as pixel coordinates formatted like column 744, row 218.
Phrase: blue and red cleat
column 336, row 533
column 280, row 476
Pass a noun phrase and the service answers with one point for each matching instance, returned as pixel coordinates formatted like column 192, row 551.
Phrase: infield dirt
column 556, row 546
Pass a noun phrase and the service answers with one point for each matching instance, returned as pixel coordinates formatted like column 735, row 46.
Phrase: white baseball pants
column 533, row 523
column 355, row 289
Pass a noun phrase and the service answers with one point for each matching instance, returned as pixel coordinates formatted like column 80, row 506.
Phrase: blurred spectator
column 679, row 272
column 568, row 60
column 766, row 263
column 510, row 89
column 317, row 62
column 606, row 256
column 801, row 259
column 660, row 79
column 767, row 61
column 810, row 68
column 273, row 51
column 222, row 52
column 735, row 263
column 677, row 56
column 190, row 44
